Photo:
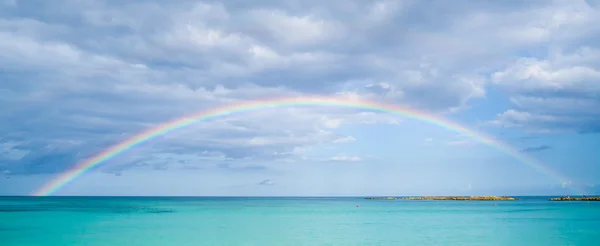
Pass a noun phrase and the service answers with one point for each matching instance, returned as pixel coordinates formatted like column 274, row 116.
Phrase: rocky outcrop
column 568, row 198
column 382, row 198
column 452, row 198
column 463, row 198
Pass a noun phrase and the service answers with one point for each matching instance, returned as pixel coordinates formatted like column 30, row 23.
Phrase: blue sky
column 79, row 76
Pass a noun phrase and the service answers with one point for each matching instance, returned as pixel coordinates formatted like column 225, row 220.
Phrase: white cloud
column 332, row 123
column 384, row 10
column 348, row 139
column 258, row 141
column 513, row 118
column 345, row 158
column 114, row 69
column 206, row 37
column 533, row 75
column 10, row 151
column 545, row 123
column 294, row 30
column 539, row 23
column 558, row 93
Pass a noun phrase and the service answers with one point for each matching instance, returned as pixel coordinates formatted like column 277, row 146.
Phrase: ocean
column 181, row 221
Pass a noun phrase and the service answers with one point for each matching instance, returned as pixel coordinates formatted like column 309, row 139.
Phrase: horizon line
column 277, row 196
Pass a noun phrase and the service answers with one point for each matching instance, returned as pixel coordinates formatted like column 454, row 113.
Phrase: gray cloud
column 40, row 163
column 559, row 93
column 556, row 89
column 536, row 149
column 260, row 53
column 81, row 80
column 266, row 182
column 237, row 167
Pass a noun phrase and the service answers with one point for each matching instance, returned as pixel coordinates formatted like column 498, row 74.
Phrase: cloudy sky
column 77, row 76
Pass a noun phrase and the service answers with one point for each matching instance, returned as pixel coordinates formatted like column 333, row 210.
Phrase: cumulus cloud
column 558, row 93
column 565, row 74
column 226, row 44
column 79, row 81
column 555, row 89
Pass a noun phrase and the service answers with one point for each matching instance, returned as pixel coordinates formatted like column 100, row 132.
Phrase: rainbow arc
column 165, row 128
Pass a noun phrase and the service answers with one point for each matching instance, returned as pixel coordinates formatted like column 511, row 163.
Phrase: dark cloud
column 238, row 167
column 547, row 123
column 266, row 182
column 40, row 163
column 593, row 127
column 536, row 149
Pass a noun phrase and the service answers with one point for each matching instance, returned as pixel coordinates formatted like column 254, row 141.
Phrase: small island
column 570, row 198
column 451, row 198
column 382, row 198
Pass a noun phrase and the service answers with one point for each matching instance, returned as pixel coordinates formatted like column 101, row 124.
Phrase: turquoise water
column 293, row 221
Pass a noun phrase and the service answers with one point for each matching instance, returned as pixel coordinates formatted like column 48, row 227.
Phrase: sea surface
column 115, row 221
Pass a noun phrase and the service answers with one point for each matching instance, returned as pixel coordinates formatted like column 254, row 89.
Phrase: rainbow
column 80, row 168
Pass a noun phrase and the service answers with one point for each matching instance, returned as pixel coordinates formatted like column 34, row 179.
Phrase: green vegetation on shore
column 452, row 198
column 568, row 198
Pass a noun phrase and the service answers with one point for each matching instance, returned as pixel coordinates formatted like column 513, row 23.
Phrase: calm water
column 294, row 221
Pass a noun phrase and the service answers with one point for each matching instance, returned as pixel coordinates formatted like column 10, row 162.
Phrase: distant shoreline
column 451, row 198
column 569, row 198
column 479, row 198
column 591, row 197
